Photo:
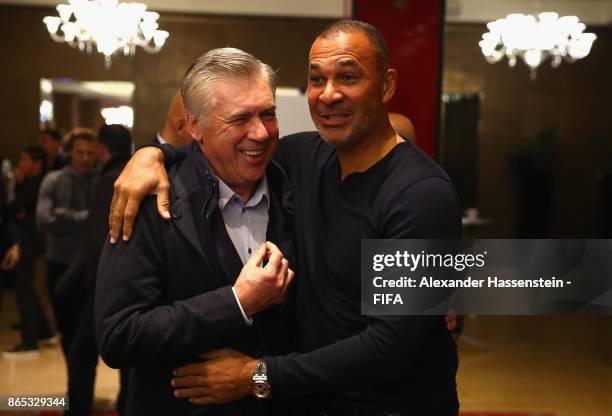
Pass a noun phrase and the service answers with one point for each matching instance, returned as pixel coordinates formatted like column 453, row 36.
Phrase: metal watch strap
column 260, row 387
column 261, row 372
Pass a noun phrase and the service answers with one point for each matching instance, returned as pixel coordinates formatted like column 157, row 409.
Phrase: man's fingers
column 112, row 208
column 193, row 392
column 194, row 369
column 116, row 216
column 290, row 276
column 223, row 352
column 129, row 216
column 163, row 201
column 275, row 259
column 188, row 381
column 203, row 400
column 258, row 256
column 284, row 269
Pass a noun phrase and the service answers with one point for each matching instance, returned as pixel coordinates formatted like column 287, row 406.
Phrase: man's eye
column 349, row 77
column 239, row 120
column 315, row 79
column 269, row 115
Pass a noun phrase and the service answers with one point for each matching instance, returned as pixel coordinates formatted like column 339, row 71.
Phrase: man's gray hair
column 196, row 87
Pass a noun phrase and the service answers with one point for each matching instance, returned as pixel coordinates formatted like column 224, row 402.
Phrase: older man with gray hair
column 210, row 277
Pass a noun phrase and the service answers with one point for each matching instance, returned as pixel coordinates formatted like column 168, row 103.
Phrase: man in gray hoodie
column 61, row 212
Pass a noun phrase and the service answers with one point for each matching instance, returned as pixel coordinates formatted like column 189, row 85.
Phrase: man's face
column 50, row 146
column 346, row 89
column 25, row 164
column 82, row 155
column 240, row 133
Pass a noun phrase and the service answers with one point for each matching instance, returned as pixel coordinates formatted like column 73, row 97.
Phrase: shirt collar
column 161, row 139
column 262, row 191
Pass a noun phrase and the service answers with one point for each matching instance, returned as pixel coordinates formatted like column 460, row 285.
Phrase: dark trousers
column 82, row 361
column 67, row 310
column 34, row 324
column 123, row 391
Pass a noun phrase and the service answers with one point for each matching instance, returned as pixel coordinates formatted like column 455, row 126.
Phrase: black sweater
column 346, row 359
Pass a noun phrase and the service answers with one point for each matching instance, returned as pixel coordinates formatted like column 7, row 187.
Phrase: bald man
column 175, row 130
column 402, row 125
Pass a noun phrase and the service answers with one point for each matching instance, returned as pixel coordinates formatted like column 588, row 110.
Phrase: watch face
column 261, row 390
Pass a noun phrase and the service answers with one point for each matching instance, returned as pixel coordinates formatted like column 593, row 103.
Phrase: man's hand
column 143, row 175
column 225, row 377
column 260, row 287
column 11, row 257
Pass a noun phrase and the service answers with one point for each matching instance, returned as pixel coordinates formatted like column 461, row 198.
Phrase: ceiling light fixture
column 535, row 39
column 109, row 25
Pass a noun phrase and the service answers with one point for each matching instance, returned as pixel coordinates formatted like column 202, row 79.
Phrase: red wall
column 412, row 31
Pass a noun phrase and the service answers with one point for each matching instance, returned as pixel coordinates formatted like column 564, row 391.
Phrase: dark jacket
column 81, row 272
column 166, row 295
column 95, row 229
column 23, row 210
column 8, row 230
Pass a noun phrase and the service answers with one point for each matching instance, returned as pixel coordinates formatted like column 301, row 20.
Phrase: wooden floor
column 45, row 374
column 515, row 364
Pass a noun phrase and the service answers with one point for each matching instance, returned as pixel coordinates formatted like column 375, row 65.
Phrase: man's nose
column 258, row 130
column 330, row 93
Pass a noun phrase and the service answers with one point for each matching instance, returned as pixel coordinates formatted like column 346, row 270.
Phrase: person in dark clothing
column 114, row 150
column 34, row 324
column 51, row 141
column 61, row 211
column 199, row 282
column 356, row 178
column 10, row 252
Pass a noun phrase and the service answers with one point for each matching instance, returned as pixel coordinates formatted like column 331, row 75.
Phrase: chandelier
column 535, row 39
column 109, row 25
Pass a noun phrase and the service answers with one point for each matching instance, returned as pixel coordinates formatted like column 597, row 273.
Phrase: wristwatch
column 260, row 387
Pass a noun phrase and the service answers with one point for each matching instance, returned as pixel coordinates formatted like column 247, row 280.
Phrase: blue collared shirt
column 246, row 224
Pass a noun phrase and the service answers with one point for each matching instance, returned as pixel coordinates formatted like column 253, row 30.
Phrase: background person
column 60, row 213
column 34, row 324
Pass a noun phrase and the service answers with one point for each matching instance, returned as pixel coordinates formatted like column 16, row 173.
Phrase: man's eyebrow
column 347, row 62
column 343, row 63
column 270, row 108
column 239, row 114
column 247, row 113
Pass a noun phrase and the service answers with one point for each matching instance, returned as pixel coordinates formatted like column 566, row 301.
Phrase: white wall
column 591, row 12
column 292, row 112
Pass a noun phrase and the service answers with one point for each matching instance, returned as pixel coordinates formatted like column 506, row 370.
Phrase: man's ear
column 389, row 85
column 193, row 127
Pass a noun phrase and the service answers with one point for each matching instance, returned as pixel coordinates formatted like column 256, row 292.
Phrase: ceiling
column 595, row 12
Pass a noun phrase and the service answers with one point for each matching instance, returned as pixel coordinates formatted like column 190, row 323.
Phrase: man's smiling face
column 345, row 88
column 240, row 133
